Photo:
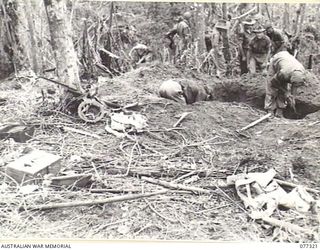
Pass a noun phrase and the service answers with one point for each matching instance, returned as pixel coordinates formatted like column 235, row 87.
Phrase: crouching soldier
column 141, row 54
column 259, row 51
column 185, row 92
column 172, row 90
column 285, row 75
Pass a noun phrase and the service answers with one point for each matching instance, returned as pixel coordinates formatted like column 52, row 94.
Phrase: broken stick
column 176, row 186
column 286, row 225
column 252, row 124
column 94, row 202
column 82, row 132
column 292, row 185
column 183, row 116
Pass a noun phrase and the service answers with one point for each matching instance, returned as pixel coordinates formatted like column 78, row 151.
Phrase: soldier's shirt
column 277, row 36
column 285, row 64
column 260, row 45
column 245, row 38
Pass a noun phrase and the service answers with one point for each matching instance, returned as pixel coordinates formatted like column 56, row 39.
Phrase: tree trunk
column 299, row 19
column 34, row 19
column 286, row 17
column 226, row 46
column 61, row 41
column 18, row 34
column 200, row 26
column 303, row 11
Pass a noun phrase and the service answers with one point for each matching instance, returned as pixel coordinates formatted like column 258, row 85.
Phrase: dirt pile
column 251, row 89
column 202, row 150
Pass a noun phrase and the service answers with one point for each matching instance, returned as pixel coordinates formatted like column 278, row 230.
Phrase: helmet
column 187, row 15
column 268, row 25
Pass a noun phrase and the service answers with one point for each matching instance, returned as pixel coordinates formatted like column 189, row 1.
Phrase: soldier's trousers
column 276, row 92
column 257, row 61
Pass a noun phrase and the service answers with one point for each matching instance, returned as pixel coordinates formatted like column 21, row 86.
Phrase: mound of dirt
column 202, row 150
column 251, row 89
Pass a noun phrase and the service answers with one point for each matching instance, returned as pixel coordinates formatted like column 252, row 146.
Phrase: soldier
column 308, row 48
column 285, row 75
column 141, row 54
column 278, row 39
column 214, row 45
column 245, row 35
column 182, row 29
column 185, row 92
column 259, row 51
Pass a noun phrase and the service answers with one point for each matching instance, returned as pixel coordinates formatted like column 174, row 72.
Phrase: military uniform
column 182, row 29
column 278, row 39
column 259, row 49
column 244, row 37
column 141, row 54
column 285, row 75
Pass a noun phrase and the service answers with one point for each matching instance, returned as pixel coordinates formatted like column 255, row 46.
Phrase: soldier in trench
column 285, row 75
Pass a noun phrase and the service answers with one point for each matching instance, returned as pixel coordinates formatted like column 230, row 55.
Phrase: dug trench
column 277, row 143
column 205, row 144
column 250, row 89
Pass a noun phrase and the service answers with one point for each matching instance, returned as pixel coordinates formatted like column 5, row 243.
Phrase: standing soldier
column 308, row 48
column 278, row 39
column 285, row 75
column 259, row 51
column 182, row 29
column 214, row 43
column 245, row 35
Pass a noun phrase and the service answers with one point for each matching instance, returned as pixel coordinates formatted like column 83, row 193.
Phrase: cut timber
column 33, row 165
column 252, row 124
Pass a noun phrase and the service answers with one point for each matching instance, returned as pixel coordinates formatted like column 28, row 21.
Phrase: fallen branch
column 292, row 185
column 176, row 186
column 252, row 124
column 82, row 132
column 115, row 191
column 286, row 225
column 94, row 202
column 183, row 116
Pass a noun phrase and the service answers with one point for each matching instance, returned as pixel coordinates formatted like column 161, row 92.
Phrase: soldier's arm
column 172, row 32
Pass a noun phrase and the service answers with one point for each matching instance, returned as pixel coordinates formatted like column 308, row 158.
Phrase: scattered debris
column 124, row 122
column 82, row 132
column 19, row 132
column 77, row 180
column 261, row 193
column 252, row 124
column 33, row 165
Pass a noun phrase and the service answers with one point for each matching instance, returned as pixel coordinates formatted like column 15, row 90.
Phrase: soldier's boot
column 279, row 113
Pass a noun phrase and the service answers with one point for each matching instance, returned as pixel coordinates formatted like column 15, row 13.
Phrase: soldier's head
column 248, row 24
column 298, row 78
column 269, row 28
column 259, row 32
column 187, row 15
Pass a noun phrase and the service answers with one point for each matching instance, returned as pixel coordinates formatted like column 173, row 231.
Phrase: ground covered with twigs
column 199, row 154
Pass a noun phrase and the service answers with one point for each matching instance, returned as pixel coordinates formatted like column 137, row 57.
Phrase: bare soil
column 206, row 143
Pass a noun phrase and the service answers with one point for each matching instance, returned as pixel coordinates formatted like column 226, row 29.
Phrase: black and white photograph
column 160, row 121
